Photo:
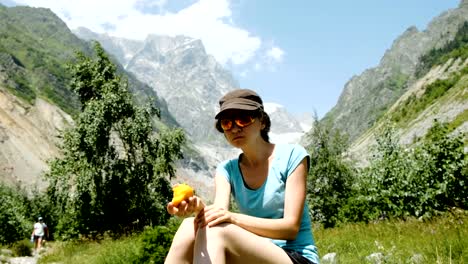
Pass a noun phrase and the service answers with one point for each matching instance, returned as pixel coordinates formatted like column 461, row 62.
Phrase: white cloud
column 208, row 20
column 244, row 73
column 152, row 4
column 276, row 54
column 258, row 66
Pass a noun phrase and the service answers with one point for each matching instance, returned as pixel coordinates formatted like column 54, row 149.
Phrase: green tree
column 444, row 168
column 15, row 220
column 330, row 175
column 112, row 175
column 423, row 180
column 385, row 184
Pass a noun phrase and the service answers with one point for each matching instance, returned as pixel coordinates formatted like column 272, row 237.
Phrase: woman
column 268, row 183
column 39, row 233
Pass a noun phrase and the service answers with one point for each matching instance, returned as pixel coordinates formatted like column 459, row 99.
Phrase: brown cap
column 241, row 99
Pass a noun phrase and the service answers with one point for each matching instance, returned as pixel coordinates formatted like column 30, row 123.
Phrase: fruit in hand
column 181, row 192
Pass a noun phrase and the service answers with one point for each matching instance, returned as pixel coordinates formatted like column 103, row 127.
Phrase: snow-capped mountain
column 286, row 128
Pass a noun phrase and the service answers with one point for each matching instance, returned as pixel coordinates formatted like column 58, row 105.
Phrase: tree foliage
column 14, row 214
column 447, row 163
column 330, row 175
column 421, row 181
column 385, row 184
column 19, row 210
column 112, row 175
column 156, row 242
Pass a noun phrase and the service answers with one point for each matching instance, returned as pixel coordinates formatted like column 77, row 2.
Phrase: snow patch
column 272, row 107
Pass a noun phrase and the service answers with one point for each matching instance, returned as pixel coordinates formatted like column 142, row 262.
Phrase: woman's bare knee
column 181, row 250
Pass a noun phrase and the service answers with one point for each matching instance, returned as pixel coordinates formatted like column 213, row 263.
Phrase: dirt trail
column 24, row 260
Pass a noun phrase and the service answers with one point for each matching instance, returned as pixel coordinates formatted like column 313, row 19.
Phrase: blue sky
column 297, row 53
column 326, row 43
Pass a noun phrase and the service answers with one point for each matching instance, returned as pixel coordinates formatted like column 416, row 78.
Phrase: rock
column 6, row 252
column 376, row 258
column 417, row 259
column 23, row 260
column 329, row 258
column 4, row 259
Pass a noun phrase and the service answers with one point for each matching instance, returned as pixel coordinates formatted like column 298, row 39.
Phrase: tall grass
column 440, row 240
column 107, row 251
column 443, row 239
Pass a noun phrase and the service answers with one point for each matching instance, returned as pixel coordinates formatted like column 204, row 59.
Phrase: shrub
column 14, row 214
column 21, row 248
column 330, row 175
column 156, row 243
column 422, row 181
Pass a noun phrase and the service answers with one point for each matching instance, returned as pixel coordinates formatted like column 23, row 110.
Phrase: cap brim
column 236, row 106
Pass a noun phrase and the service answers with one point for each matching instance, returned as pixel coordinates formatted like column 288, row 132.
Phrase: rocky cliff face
column 28, row 138
column 179, row 69
column 367, row 96
column 452, row 105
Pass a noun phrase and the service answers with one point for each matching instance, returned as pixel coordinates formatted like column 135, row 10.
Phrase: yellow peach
column 181, row 192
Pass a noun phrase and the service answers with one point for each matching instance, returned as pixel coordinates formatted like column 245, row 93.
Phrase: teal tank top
column 268, row 200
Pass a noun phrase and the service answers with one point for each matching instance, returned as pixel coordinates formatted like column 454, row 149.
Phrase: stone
column 375, row 258
column 329, row 258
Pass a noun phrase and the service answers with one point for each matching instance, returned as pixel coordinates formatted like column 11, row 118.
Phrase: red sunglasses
column 241, row 121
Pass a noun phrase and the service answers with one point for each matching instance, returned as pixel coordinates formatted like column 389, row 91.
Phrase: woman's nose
column 235, row 128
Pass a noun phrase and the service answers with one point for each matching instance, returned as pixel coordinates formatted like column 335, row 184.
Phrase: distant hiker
column 268, row 183
column 39, row 234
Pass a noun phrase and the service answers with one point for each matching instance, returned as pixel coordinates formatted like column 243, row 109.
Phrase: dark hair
column 264, row 118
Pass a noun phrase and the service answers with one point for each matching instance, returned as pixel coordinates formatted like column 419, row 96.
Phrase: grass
column 440, row 240
column 443, row 239
column 459, row 120
column 107, row 251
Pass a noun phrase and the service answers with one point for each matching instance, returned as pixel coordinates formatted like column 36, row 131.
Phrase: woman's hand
column 192, row 205
column 213, row 215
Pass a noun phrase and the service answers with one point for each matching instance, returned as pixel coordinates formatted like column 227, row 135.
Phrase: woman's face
column 240, row 127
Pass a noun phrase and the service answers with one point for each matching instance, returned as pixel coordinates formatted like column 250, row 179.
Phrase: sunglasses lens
column 226, row 124
column 244, row 121
column 241, row 121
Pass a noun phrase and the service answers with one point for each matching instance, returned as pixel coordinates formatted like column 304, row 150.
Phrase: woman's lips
column 237, row 137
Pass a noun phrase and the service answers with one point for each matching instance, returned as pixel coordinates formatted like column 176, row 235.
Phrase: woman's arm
column 222, row 192
column 283, row 228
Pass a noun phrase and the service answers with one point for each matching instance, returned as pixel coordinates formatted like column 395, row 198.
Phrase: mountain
column 35, row 100
column 422, row 78
column 28, row 138
column 366, row 97
column 285, row 127
column 190, row 80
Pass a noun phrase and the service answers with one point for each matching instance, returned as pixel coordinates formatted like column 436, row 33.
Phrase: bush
column 422, row 181
column 445, row 162
column 14, row 215
column 156, row 243
column 330, row 175
column 21, row 248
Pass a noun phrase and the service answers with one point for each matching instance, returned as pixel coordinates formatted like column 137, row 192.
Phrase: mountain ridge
column 367, row 96
column 35, row 50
